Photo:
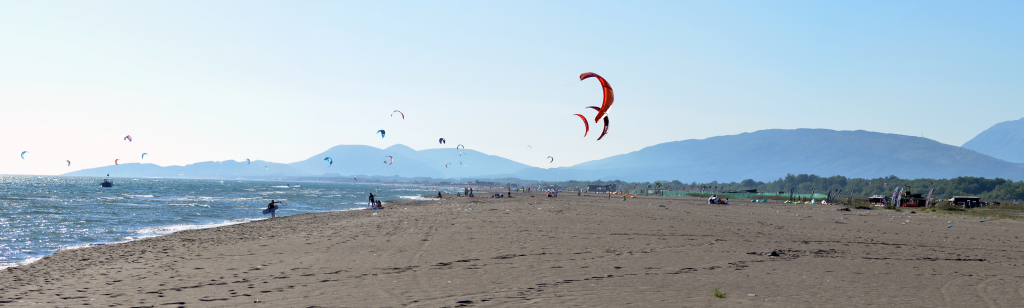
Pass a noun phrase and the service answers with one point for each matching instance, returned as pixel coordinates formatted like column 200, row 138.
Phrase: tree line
column 989, row 189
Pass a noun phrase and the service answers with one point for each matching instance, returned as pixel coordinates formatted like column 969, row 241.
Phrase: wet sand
column 569, row 251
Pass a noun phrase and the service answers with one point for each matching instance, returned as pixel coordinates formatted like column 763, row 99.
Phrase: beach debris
column 751, row 295
column 949, row 226
column 719, row 294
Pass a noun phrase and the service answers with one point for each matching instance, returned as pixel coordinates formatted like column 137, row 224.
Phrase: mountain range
column 1004, row 141
column 761, row 155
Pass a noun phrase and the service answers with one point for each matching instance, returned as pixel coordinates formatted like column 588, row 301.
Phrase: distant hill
column 206, row 170
column 771, row 154
column 366, row 160
column 762, row 155
column 348, row 160
column 1004, row 141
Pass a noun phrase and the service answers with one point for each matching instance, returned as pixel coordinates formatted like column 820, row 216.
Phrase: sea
column 41, row 215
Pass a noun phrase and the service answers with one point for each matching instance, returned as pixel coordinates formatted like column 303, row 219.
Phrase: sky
column 283, row 81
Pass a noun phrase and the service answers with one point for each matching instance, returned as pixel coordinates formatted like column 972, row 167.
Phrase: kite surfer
column 272, row 208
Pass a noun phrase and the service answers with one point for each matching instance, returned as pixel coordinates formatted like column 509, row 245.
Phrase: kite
column 69, row 163
column 247, row 161
column 460, row 146
column 330, row 161
column 605, row 131
column 392, row 160
column 609, row 97
column 585, row 124
column 265, row 169
column 356, row 178
column 399, row 112
column 460, row 163
column 144, row 155
column 552, row 159
column 446, row 165
column 115, row 161
column 530, row 147
column 381, row 132
column 129, row 138
column 441, row 141
column 23, row 154
column 462, row 153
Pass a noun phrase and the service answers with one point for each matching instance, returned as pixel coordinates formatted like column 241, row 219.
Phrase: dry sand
column 569, row 251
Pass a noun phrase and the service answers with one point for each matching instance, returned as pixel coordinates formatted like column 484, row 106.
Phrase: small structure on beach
column 878, row 200
column 965, row 202
column 602, row 188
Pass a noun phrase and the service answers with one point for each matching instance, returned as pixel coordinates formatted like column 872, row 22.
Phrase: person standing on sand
column 371, row 200
column 470, row 192
column 439, row 195
column 272, row 208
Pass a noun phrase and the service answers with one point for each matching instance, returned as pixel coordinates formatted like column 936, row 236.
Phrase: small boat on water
column 107, row 182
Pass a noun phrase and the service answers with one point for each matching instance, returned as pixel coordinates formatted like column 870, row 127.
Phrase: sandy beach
column 552, row 252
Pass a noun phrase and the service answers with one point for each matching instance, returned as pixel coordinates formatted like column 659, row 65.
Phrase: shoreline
column 206, row 226
column 565, row 251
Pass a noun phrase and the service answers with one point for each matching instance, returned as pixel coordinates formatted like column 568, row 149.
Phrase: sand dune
column 569, row 251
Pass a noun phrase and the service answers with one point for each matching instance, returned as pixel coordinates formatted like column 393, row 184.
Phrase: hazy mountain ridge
column 762, row 155
column 771, row 154
column 348, row 160
column 1005, row 141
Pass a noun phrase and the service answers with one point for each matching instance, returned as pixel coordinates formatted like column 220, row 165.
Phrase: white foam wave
column 416, row 198
column 181, row 227
column 19, row 263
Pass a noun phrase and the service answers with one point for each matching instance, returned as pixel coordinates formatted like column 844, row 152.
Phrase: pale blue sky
column 282, row 81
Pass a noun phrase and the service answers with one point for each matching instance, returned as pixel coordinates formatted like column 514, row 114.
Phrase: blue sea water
column 40, row 215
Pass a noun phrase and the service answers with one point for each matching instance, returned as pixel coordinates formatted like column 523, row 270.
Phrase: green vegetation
column 719, row 294
column 987, row 189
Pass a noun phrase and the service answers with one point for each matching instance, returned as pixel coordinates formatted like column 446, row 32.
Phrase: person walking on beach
column 371, row 200
column 470, row 192
column 439, row 195
column 272, row 208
